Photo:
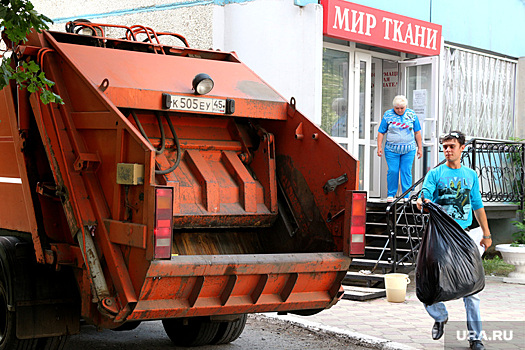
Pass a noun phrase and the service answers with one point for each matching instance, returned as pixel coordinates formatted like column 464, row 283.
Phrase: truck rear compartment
column 231, row 249
column 166, row 213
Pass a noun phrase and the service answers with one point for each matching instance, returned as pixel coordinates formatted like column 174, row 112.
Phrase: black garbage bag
column 448, row 263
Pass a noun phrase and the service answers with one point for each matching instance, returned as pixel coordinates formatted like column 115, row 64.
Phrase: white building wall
column 280, row 42
column 189, row 18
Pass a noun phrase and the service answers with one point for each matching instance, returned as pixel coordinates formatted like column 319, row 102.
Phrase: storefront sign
column 366, row 25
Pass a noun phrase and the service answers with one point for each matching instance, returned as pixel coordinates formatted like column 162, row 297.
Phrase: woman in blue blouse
column 403, row 140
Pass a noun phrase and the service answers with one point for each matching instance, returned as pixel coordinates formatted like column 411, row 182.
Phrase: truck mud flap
column 201, row 285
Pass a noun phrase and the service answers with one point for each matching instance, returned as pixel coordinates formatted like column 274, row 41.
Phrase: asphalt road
column 260, row 333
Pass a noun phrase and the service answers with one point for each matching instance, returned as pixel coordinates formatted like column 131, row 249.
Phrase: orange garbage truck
column 171, row 184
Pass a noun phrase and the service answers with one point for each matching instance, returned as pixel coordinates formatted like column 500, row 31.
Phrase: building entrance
column 358, row 87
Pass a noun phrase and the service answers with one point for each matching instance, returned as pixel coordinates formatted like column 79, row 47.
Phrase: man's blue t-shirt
column 456, row 190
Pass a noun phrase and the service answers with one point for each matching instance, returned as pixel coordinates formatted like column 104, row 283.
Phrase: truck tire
column 230, row 330
column 195, row 331
column 8, row 339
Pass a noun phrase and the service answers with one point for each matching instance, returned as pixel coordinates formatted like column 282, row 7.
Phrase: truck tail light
column 355, row 223
column 163, row 230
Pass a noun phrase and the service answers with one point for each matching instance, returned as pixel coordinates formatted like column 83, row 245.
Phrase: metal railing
column 500, row 169
column 499, row 165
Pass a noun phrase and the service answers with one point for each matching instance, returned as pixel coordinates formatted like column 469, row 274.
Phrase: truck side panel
column 16, row 210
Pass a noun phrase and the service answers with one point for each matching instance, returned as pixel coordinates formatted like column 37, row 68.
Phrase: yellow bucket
column 396, row 287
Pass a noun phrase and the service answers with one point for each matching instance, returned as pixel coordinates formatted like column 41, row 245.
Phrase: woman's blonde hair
column 400, row 101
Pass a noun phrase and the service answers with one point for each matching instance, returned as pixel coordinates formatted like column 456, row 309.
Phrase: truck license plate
column 195, row 104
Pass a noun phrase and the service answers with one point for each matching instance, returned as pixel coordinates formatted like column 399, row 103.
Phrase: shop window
column 478, row 95
column 334, row 118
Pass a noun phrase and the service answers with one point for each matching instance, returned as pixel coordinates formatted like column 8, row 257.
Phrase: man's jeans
column 439, row 313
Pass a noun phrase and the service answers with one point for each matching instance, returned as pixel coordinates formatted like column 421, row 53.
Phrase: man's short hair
column 458, row 135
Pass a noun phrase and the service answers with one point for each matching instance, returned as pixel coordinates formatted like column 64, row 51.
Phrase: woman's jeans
column 439, row 313
column 399, row 164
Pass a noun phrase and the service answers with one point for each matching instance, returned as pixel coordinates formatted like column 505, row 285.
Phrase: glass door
column 376, row 163
column 335, row 119
column 363, row 144
column 419, row 83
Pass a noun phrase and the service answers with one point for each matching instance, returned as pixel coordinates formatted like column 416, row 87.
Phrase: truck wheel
column 196, row 331
column 230, row 330
column 8, row 339
column 7, row 322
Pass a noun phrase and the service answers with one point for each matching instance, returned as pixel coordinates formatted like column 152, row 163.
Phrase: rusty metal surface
column 148, row 76
column 85, row 199
column 126, row 233
column 219, row 284
column 212, row 186
column 304, row 165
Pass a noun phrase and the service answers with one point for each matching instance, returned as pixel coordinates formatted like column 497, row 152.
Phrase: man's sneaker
column 476, row 345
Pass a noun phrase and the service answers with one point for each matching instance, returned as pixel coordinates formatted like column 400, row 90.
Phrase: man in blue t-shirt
column 456, row 189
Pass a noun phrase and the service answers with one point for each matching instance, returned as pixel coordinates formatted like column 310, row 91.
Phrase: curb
column 354, row 337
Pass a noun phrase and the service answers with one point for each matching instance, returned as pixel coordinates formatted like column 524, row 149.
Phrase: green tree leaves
column 18, row 18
